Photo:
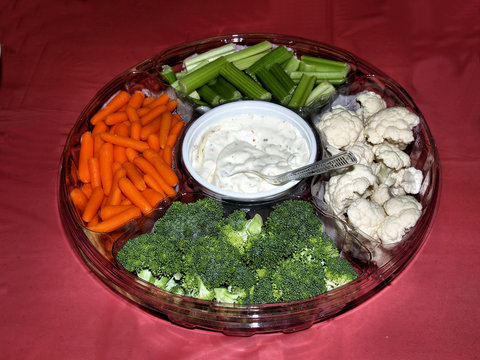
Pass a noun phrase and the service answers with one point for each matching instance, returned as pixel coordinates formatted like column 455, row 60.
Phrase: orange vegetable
column 167, row 154
column 116, row 118
column 143, row 111
column 165, row 123
column 177, row 128
column 172, row 105
column 152, row 114
column 165, row 171
column 94, row 169
column 135, row 130
column 134, row 175
column 97, row 144
column 93, row 204
column 150, row 128
column 175, row 119
column 125, row 141
column 94, row 221
column 115, row 104
column 115, row 196
column 131, row 154
column 99, row 127
column 132, row 114
column 87, row 189
column 161, row 100
column 136, row 100
column 117, row 220
column 132, row 193
column 153, row 142
column 148, row 100
column 108, row 211
column 86, row 152
column 79, row 199
column 105, row 159
column 153, row 197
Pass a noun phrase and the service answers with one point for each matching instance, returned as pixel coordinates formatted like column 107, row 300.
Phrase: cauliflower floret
column 371, row 103
column 411, row 180
column 366, row 216
column 403, row 213
column 341, row 127
column 341, row 190
column 391, row 156
column 363, row 152
column 393, row 124
column 380, row 194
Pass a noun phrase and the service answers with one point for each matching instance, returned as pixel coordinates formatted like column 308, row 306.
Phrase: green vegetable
column 278, row 55
column 197, row 61
column 249, row 87
column 198, row 252
column 227, row 91
column 320, row 92
column 273, row 85
column 168, row 74
column 249, row 51
column 209, row 95
column 201, row 76
column 303, row 89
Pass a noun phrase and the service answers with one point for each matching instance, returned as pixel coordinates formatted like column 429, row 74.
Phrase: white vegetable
column 366, row 216
column 363, row 152
column 412, row 180
column 403, row 212
column 341, row 190
column 341, row 127
column 380, row 194
column 370, row 103
column 393, row 124
column 391, row 156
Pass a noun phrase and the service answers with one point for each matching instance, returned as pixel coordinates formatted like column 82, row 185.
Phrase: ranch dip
column 248, row 142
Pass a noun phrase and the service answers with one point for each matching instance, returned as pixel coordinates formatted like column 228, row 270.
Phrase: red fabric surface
column 57, row 54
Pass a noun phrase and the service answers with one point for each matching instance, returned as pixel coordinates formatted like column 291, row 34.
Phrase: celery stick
column 273, row 84
column 243, row 82
column 277, row 55
column 193, row 80
column 292, row 64
column 323, row 75
column 168, row 74
column 210, row 55
column 302, row 91
column 244, row 63
column 277, row 71
column 209, row 95
column 320, row 92
column 323, row 63
column 227, row 91
column 197, row 65
column 249, row 51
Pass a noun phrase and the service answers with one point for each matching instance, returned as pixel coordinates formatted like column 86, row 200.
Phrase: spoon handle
column 341, row 160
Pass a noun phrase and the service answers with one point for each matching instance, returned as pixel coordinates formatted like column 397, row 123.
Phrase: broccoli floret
column 338, row 272
column 135, row 254
column 194, row 287
column 237, row 228
column 295, row 280
column 229, row 295
column 262, row 292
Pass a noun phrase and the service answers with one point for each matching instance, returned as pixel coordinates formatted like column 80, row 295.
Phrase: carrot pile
column 125, row 161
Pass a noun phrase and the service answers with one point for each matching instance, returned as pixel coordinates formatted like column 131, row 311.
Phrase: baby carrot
column 175, row 119
column 93, row 204
column 165, row 123
column 105, row 159
column 157, row 183
column 115, row 196
column 115, row 166
column 94, row 221
column 99, row 127
column 134, row 175
column 94, row 169
column 165, row 171
column 132, row 193
column 177, row 128
column 172, row 105
column 143, row 111
column 153, row 142
column 97, row 144
column 115, row 104
column 87, row 190
column 108, row 211
column 135, row 130
column 116, row 118
column 86, row 152
column 119, row 154
column 117, row 220
column 152, row 114
column 161, row 100
column 132, row 114
column 79, row 199
column 136, row 100
column 125, row 141
column 153, row 197
column 131, row 154
column 152, row 183
column 150, row 128
column 148, row 100
column 167, row 154
column 125, row 201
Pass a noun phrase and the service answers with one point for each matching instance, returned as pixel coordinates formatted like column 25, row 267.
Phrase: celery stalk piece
column 201, row 76
column 278, row 71
column 292, row 64
column 274, row 85
column 245, row 84
column 209, row 95
column 210, row 55
column 249, row 51
column 323, row 75
column 168, row 74
column 197, row 65
column 244, row 63
column 320, row 92
column 302, row 91
column 321, row 63
column 227, row 91
column 278, row 55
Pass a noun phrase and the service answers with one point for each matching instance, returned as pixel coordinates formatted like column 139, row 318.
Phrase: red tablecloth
column 57, row 54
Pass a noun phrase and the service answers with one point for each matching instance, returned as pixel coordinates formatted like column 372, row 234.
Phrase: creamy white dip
column 248, row 142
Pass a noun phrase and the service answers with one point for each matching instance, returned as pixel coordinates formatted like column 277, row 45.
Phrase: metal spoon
column 338, row 161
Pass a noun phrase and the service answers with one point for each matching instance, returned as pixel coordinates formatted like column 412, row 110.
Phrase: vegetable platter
column 128, row 197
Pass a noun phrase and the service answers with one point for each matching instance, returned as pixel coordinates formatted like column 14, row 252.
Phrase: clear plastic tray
column 377, row 265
